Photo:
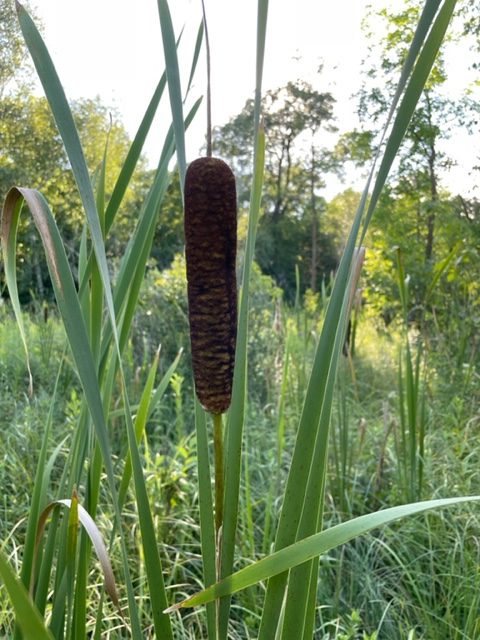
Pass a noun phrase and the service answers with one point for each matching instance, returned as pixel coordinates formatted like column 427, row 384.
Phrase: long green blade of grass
column 297, row 602
column 133, row 155
column 196, row 55
column 407, row 106
column 140, row 424
column 77, row 514
column 132, row 267
column 313, row 546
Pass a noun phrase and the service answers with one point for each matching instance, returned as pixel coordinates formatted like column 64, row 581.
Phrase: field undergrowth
column 416, row 579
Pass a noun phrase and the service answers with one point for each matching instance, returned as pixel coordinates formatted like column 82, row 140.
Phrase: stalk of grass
column 174, row 88
column 412, row 399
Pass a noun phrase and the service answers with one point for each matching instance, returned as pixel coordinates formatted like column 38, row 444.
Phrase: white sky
column 112, row 48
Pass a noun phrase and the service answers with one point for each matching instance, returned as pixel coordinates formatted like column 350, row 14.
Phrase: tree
column 414, row 211
column 12, row 46
column 32, row 155
column 289, row 232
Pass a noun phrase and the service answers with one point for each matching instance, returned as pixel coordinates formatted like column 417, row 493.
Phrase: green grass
column 384, row 575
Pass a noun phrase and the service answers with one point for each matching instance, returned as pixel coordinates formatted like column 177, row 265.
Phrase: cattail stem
column 219, row 470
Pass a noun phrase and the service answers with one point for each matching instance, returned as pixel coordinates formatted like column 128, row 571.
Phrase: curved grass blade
column 313, row 546
column 26, row 613
column 93, row 533
column 8, row 232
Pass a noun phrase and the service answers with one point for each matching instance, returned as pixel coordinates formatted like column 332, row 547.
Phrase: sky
column 113, row 49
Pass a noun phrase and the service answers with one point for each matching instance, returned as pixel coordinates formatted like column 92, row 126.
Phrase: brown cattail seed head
column 210, row 249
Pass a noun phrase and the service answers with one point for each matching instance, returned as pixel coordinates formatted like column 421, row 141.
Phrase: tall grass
column 97, row 316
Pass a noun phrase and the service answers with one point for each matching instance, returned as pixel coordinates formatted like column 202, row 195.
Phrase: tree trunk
column 433, row 204
column 314, row 268
column 432, row 159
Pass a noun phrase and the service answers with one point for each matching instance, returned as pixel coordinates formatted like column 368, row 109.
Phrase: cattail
column 210, row 247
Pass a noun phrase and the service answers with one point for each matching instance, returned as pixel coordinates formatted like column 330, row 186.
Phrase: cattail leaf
column 139, row 425
column 310, row 547
column 174, row 86
column 210, row 248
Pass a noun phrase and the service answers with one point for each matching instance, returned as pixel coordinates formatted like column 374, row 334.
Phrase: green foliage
column 415, row 213
column 169, row 235
column 400, row 224
column 12, row 49
column 32, row 153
